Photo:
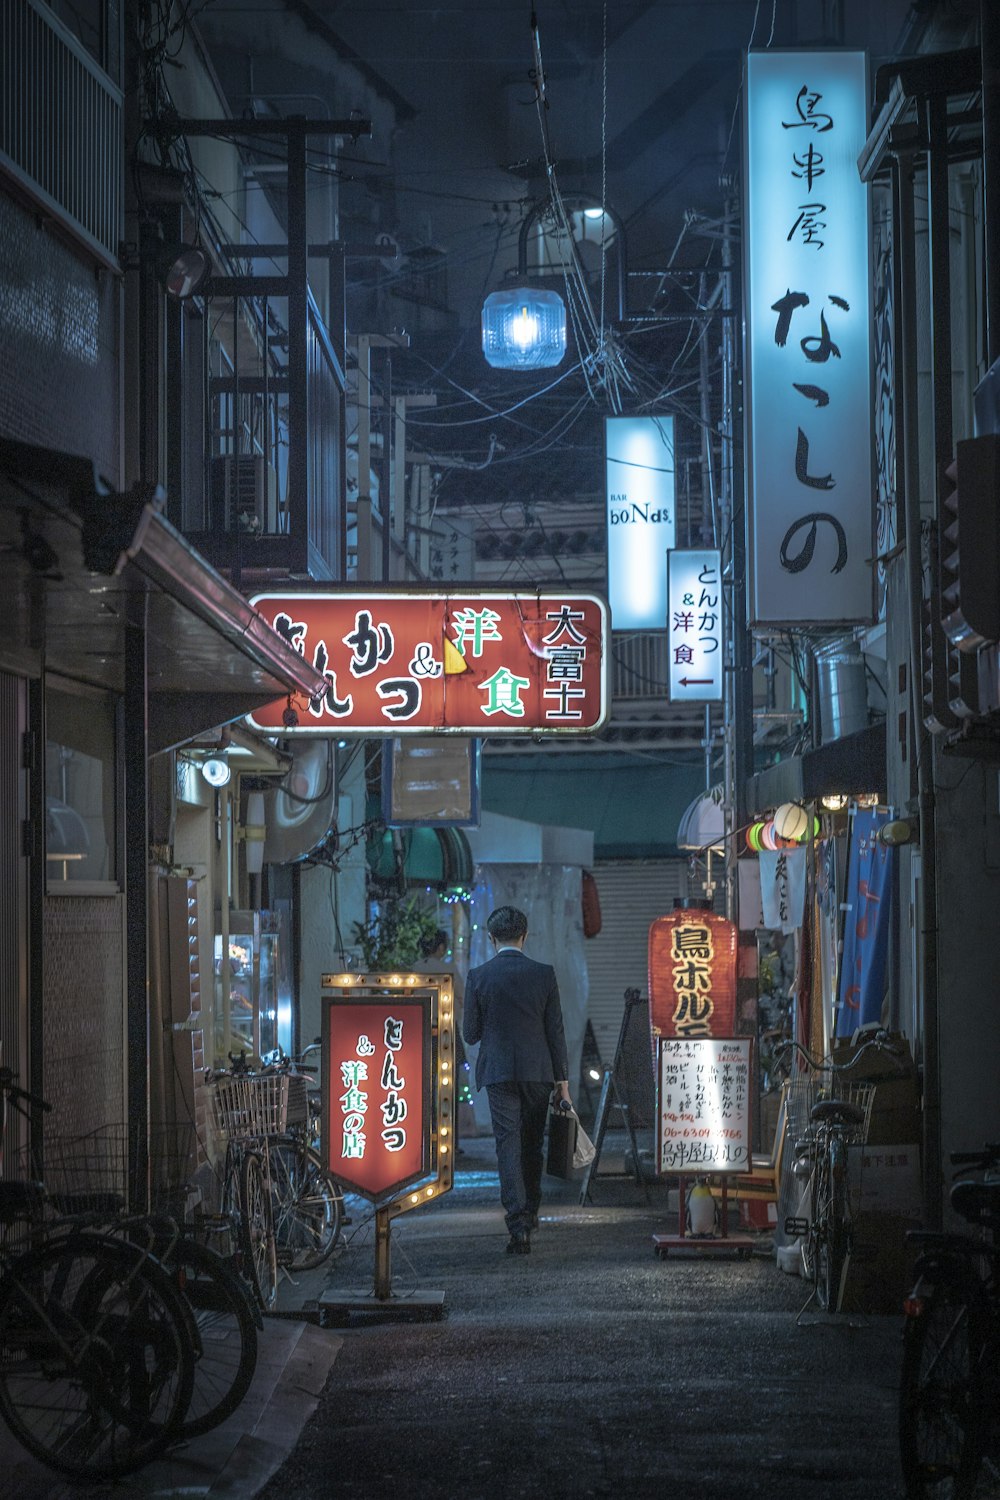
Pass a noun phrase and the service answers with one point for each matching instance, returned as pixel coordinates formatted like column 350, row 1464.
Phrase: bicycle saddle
column 837, row 1109
column 979, row 1202
column 20, row 1200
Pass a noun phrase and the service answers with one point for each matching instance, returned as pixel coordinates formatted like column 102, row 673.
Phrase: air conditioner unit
column 244, row 494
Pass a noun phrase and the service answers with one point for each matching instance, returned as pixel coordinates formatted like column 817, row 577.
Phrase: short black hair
column 506, row 924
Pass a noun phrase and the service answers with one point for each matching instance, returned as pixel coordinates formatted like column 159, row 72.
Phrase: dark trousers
column 519, row 1112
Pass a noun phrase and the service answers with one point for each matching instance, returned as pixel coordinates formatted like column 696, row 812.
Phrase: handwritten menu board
column 703, row 1105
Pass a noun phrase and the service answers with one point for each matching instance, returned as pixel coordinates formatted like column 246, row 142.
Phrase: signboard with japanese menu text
column 407, row 662
column 703, row 1105
column 807, row 238
column 378, row 1093
column 694, row 625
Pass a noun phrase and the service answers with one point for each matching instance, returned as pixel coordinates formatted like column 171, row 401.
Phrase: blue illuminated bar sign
column 640, row 519
column 810, row 479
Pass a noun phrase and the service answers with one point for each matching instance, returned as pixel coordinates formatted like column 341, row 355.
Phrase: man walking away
column 512, row 1009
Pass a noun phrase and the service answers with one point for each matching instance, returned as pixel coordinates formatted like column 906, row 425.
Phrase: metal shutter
column 633, row 893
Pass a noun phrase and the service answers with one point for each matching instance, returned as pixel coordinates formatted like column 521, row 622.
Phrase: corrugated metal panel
column 60, row 125
column 633, row 893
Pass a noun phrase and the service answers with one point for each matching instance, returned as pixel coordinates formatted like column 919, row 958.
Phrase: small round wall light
column 184, row 269
column 216, row 771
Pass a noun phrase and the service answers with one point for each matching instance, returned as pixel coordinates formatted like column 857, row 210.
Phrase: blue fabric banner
column 868, row 900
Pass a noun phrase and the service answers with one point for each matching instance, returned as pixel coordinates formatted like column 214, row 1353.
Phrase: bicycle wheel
column 307, row 1206
column 227, row 1333
column 256, row 1231
column 942, row 1421
column 832, row 1241
column 96, row 1369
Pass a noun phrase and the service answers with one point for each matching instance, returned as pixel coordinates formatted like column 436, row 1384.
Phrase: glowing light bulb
column 524, row 329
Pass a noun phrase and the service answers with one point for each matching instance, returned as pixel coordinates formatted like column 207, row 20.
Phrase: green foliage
column 392, row 939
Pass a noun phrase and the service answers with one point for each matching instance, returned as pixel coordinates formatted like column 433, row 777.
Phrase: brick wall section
column 82, row 1015
column 59, row 323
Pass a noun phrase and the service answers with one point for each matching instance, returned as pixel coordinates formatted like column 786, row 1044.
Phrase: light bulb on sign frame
column 216, row 771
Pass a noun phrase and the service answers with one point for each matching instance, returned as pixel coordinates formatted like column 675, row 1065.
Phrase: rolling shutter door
column 633, row 894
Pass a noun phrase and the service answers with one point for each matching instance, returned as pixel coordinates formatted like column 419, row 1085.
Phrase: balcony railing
column 60, row 126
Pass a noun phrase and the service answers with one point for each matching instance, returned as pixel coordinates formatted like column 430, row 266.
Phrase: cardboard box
column 880, row 1272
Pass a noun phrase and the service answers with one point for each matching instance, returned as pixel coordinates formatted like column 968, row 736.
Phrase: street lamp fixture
column 524, row 328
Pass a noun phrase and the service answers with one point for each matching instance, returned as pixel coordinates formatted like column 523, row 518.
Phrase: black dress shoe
column 519, row 1243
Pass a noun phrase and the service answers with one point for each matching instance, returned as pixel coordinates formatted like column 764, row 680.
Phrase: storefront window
column 79, row 785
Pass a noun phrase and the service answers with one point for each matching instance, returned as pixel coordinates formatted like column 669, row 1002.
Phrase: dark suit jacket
column 512, row 1008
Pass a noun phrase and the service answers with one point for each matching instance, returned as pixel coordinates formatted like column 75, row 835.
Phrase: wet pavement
column 588, row 1368
column 592, row 1368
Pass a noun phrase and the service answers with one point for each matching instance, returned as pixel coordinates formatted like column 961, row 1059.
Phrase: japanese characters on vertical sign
column 377, row 1069
column 692, row 975
column 640, row 518
column 406, row 663
column 703, row 1105
column 808, row 342
column 694, row 626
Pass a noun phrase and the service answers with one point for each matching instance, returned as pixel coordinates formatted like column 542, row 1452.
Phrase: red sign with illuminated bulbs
column 378, row 1093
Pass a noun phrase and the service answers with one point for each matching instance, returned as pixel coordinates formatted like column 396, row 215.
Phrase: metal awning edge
column 163, row 555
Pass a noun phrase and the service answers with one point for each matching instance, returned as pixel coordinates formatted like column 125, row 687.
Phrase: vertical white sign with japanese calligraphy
column 808, row 345
column 640, row 518
column 694, row 626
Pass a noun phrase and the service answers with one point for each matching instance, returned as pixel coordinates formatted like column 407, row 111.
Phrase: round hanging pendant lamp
column 524, row 328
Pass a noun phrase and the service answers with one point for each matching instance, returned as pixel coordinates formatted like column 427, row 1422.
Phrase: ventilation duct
column 302, row 812
column 843, row 689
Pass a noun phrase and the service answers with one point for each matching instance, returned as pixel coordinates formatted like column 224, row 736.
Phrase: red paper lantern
column 692, row 975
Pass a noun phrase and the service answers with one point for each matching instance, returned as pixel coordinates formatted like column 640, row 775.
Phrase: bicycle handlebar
column 878, row 1043
column 10, row 1088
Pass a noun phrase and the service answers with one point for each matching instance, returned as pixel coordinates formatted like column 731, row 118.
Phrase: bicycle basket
column 256, row 1104
column 862, row 1096
column 95, row 1172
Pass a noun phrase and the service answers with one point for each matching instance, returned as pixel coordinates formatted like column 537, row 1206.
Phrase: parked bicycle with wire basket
column 949, row 1400
column 838, row 1121
column 97, row 1344
column 308, row 1202
column 287, row 1206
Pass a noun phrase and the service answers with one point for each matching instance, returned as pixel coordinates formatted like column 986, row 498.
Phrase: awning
column 703, row 823
column 631, row 804
column 84, row 565
column 439, row 857
column 846, row 767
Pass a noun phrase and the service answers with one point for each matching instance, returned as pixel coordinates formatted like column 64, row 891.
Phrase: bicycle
column 308, row 1203
column 837, row 1122
column 949, row 1399
column 96, row 1346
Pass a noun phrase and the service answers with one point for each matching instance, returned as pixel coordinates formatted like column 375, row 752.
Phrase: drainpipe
column 989, row 41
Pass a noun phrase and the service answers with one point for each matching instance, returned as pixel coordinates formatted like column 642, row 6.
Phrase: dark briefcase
column 562, row 1143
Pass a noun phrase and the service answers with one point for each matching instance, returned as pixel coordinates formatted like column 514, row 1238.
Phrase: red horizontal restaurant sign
column 378, row 1093
column 482, row 663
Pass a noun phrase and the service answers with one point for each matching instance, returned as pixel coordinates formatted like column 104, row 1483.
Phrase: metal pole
column 136, row 802
column 989, row 41
column 383, row 1254
column 298, row 355
column 940, row 319
column 364, row 501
